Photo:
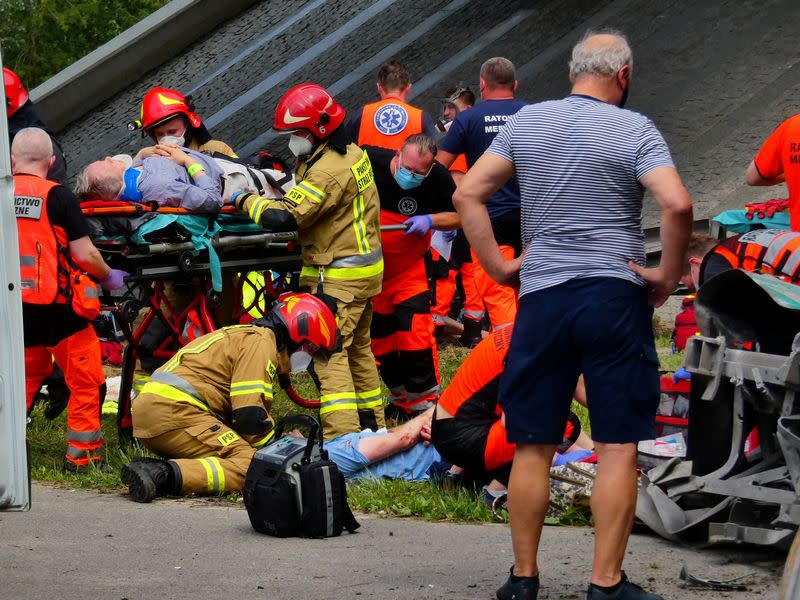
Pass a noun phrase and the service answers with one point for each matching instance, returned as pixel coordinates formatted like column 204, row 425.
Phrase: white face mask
column 300, row 145
column 178, row 140
column 299, row 361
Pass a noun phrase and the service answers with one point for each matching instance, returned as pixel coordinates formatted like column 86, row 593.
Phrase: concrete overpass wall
column 715, row 76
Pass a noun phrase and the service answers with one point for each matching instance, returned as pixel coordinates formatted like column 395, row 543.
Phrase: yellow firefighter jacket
column 336, row 207
column 212, row 146
column 218, row 373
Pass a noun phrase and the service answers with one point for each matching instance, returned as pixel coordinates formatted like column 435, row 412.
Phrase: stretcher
column 163, row 248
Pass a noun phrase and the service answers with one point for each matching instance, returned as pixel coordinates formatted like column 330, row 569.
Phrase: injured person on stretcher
column 169, row 175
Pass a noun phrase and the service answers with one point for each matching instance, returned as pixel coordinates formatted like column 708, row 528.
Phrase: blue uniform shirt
column 472, row 132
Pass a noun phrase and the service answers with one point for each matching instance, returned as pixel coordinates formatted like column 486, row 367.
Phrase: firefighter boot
column 147, row 478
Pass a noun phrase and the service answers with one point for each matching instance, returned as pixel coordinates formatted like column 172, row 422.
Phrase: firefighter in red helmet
column 208, row 408
column 335, row 207
column 166, row 115
column 22, row 113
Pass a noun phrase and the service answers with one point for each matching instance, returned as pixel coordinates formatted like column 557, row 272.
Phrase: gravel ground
column 76, row 544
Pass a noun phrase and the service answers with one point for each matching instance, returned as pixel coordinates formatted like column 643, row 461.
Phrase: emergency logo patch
column 227, row 438
column 391, row 119
column 28, row 207
column 271, row 369
column 407, row 206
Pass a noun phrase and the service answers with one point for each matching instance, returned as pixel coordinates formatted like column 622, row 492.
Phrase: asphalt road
column 79, row 545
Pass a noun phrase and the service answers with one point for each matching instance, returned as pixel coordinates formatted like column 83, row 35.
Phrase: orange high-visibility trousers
column 402, row 339
column 79, row 357
column 500, row 300
column 446, row 288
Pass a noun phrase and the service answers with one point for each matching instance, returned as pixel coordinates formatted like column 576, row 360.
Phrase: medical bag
column 84, row 295
column 292, row 489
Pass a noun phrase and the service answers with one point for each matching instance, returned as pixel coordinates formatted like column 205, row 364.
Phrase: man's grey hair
column 604, row 60
column 424, row 142
column 32, row 145
column 499, row 72
column 97, row 183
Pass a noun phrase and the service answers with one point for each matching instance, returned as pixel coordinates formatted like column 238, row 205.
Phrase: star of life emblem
column 391, row 119
column 407, row 206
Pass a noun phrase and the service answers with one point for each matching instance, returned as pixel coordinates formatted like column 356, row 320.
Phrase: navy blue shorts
column 601, row 327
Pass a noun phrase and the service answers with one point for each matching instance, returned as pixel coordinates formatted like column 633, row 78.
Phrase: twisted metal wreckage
column 745, row 369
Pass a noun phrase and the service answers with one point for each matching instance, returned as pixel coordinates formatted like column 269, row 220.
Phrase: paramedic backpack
column 292, row 489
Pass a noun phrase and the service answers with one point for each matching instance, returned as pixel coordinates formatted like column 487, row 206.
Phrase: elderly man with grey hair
column 583, row 164
column 165, row 173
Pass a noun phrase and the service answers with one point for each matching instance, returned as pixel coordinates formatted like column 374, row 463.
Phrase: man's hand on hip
column 659, row 286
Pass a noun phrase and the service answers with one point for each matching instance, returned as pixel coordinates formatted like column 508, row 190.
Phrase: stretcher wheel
column 130, row 310
column 186, row 261
column 214, row 298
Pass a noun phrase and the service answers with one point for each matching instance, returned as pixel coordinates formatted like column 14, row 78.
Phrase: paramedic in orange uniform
column 777, row 162
column 417, row 192
column 388, row 122
column 468, row 428
column 457, row 99
column 54, row 244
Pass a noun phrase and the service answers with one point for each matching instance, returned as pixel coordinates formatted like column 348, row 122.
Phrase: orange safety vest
column 771, row 251
column 387, row 123
column 44, row 271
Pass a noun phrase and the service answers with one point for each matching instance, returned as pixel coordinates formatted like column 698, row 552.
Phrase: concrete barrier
column 73, row 92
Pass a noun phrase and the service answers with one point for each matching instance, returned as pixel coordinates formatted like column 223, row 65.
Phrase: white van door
column 14, row 467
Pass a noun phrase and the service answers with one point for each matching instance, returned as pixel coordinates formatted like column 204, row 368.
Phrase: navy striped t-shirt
column 578, row 162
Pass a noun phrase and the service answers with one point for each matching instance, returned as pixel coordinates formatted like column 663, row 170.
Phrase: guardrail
column 83, row 85
column 652, row 240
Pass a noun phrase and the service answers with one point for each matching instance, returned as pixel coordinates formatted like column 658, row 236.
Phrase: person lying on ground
column 403, row 452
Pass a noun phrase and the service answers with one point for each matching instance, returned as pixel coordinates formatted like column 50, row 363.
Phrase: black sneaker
column 526, row 588
column 625, row 591
column 147, row 478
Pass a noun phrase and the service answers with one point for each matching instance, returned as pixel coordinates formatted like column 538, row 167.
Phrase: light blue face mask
column 130, row 191
column 406, row 179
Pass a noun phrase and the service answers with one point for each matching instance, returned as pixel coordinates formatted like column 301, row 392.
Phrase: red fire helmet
column 308, row 106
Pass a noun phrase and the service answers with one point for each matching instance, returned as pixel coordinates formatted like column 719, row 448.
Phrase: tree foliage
column 41, row 37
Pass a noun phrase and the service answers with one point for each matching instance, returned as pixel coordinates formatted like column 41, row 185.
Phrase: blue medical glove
column 418, row 225
column 449, row 236
column 114, row 279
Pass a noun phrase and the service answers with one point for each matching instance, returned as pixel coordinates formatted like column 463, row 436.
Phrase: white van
column 15, row 491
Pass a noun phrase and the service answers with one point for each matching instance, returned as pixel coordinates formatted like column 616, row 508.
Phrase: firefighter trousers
column 403, row 341
column 79, row 357
column 211, row 457
column 349, row 386
column 500, row 300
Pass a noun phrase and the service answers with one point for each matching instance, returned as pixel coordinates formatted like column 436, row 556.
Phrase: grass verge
column 391, row 498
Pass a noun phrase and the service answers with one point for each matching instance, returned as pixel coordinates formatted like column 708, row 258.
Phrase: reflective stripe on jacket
column 771, row 251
